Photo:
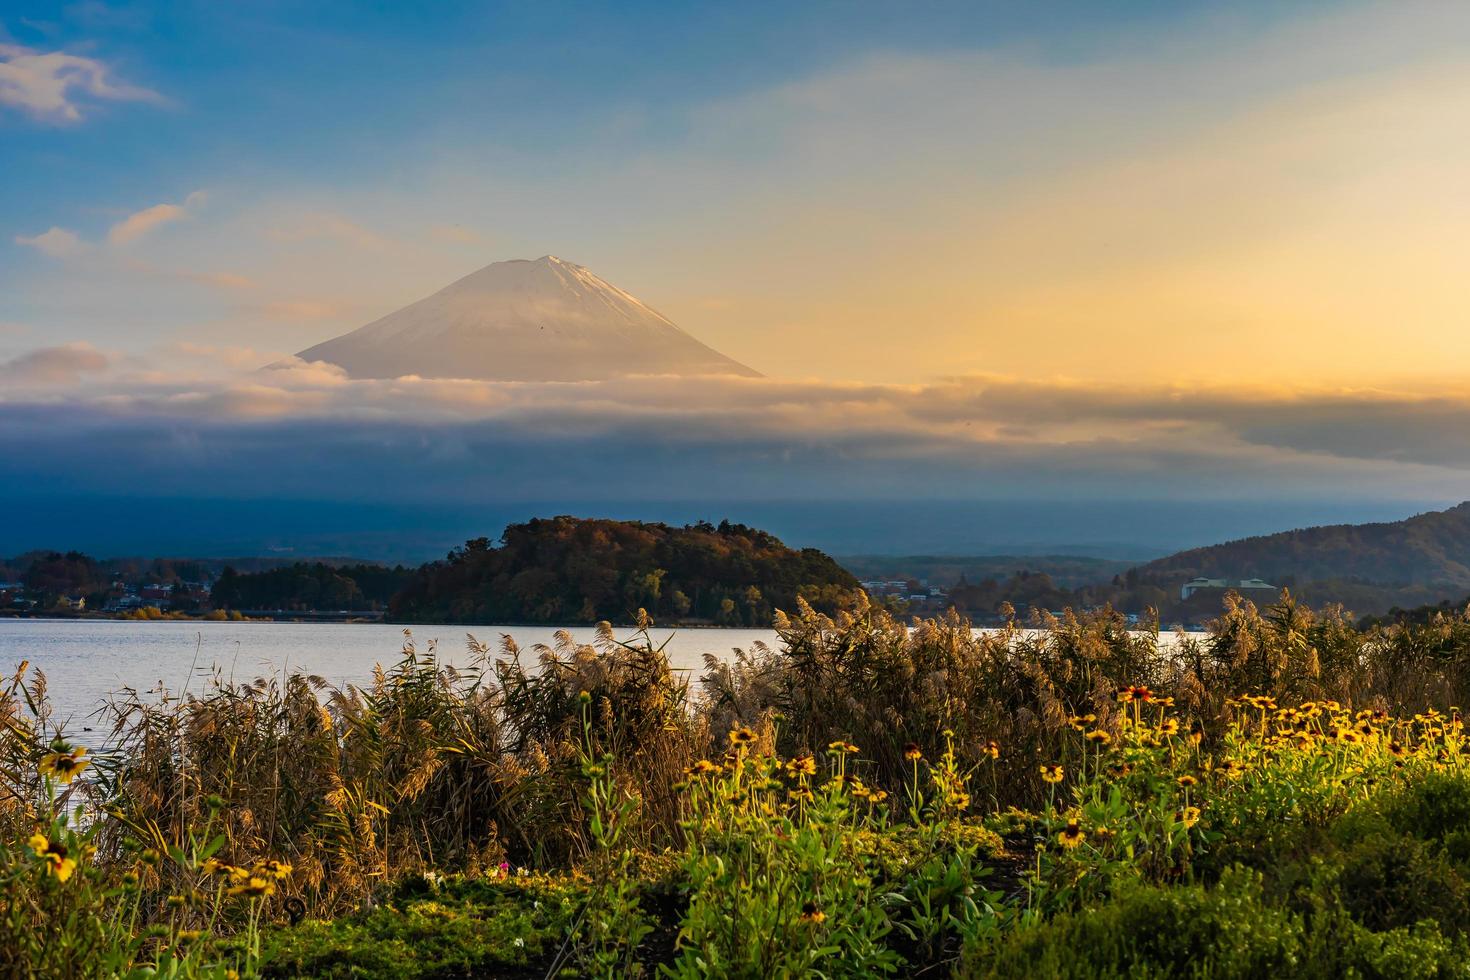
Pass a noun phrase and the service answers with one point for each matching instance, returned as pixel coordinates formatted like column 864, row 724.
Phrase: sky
column 1187, row 255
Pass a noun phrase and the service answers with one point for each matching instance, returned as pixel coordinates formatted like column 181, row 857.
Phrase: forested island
column 570, row 570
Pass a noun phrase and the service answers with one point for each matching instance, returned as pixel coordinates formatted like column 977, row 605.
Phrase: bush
column 1392, row 882
column 1147, row 931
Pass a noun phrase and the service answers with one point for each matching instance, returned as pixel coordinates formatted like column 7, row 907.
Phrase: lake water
column 86, row 659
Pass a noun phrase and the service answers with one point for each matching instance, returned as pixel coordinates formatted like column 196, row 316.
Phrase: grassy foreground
column 867, row 799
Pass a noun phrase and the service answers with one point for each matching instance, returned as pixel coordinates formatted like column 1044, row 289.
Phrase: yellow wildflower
column 64, row 765
column 54, row 854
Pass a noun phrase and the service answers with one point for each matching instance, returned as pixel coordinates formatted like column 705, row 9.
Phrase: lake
column 86, row 659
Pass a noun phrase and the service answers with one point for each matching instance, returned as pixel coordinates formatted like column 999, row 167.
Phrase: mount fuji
column 523, row 320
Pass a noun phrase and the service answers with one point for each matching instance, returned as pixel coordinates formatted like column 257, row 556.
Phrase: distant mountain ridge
column 1428, row 549
column 524, row 320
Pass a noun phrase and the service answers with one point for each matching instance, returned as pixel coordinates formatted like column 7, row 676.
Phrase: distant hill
column 572, row 570
column 1068, row 571
column 1431, row 549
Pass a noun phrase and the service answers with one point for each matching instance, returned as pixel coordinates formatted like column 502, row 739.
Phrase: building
column 1244, row 586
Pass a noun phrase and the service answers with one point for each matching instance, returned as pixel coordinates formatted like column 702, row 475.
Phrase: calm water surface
column 87, row 659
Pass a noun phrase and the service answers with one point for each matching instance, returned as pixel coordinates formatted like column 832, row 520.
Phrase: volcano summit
column 542, row 320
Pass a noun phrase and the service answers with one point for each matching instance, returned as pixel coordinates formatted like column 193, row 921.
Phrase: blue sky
column 984, row 252
column 792, row 174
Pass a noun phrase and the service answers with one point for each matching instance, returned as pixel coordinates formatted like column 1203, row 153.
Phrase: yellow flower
column 958, row 800
column 1232, row 769
column 65, row 766
column 800, row 795
column 54, row 855
column 742, row 736
column 703, row 767
column 991, row 748
column 1169, row 726
column 1052, row 774
column 810, row 913
column 271, row 868
column 1189, row 816
column 802, row 765
column 253, row 887
column 1196, row 733
column 1099, row 736
column 842, row 748
column 1080, row 722
column 1071, row 835
column 1186, row 780
column 912, row 752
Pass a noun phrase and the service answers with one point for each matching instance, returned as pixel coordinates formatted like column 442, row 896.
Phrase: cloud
column 63, row 365
column 54, row 86
column 155, row 428
column 1230, row 432
column 59, row 243
column 140, row 223
column 329, row 227
column 234, row 358
column 220, row 280
column 456, row 235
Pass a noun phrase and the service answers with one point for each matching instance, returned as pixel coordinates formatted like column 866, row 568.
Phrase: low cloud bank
column 70, row 414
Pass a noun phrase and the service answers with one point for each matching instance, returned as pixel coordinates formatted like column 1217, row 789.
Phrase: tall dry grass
column 434, row 767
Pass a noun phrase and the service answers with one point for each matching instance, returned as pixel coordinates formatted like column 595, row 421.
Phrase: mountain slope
column 542, row 320
column 1431, row 548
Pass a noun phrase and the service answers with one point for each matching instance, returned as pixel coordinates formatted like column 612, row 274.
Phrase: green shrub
column 1393, row 882
column 1186, row 931
column 1435, row 807
column 1336, row 946
column 459, row 929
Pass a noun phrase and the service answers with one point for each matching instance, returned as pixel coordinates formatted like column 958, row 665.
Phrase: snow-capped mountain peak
column 524, row 320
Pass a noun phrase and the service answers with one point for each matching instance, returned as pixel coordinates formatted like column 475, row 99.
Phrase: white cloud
column 219, row 280
column 59, row 243
column 64, row 365
column 140, row 223
column 456, row 235
column 959, row 420
column 332, row 227
column 53, row 86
